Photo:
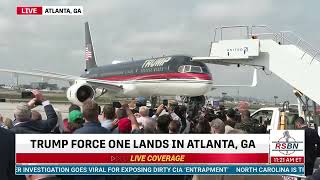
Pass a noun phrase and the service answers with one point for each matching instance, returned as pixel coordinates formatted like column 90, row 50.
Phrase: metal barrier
column 221, row 28
column 294, row 39
column 283, row 37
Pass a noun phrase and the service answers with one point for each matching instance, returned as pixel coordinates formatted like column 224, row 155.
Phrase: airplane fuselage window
column 187, row 68
column 181, row 69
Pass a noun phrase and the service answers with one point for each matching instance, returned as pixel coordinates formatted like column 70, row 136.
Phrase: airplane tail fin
column 89, row 52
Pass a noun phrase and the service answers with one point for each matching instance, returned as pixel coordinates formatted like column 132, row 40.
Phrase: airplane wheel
column 199, row 100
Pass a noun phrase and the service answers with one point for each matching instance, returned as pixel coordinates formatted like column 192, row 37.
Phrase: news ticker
column 161, row 169
column 280, row 152
column 49, row 10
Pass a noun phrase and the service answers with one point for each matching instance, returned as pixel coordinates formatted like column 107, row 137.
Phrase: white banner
column 286, row 143
column 142, row 143
column 62, row 10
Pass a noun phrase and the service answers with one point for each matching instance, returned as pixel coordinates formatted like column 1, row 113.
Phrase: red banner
column 29, row 10
column 140, row 158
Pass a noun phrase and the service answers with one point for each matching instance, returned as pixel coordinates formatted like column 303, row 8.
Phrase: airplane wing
column 69, row 78
column 253, row 84
column 49, row 72
column 38, row 74
column 115, row 87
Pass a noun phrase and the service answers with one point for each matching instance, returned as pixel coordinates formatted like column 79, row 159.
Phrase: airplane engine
column 80, row 92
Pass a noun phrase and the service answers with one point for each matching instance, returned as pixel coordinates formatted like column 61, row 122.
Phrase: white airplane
column 161, row 76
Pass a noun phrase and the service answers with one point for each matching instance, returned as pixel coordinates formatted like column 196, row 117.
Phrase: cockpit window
column 196, row 69
column 181, row 69
column 187, row 68
column 190, row 69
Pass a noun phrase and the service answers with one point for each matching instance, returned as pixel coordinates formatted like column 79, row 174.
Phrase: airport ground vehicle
column 278, row 119
column 275, row 118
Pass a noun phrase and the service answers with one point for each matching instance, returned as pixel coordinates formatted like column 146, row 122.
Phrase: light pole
column 275, row 100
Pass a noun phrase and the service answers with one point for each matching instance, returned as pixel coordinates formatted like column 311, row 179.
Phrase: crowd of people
column 138, row 119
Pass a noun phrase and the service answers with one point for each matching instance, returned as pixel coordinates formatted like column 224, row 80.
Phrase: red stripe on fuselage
column 158, row 76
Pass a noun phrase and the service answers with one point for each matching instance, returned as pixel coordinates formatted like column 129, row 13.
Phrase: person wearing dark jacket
column 7, row 154
column 90, row 110
column 311, row 144
column 22, row 114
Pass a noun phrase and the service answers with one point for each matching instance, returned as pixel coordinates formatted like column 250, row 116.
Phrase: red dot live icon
column 29, row 10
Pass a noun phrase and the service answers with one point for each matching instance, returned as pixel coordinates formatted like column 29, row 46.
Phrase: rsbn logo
column 287, row 145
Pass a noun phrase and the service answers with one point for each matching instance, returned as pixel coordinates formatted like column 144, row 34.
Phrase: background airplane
column 174, row 75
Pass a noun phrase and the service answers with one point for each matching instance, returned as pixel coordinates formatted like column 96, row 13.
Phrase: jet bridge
column 285, row 54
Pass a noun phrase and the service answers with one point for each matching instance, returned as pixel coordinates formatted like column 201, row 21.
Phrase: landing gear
column 194, row 105
column 198, row 100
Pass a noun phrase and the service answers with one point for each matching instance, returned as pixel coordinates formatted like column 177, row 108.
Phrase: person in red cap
column 126, row 121
column 124, row 124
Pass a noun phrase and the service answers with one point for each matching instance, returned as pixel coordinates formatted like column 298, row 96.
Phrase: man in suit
column 311, row 144
column 22, row 114
column 7, row 155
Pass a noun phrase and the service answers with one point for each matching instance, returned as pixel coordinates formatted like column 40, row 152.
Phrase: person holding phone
column 22, row 115
column 167, row 108
column 165, row 104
